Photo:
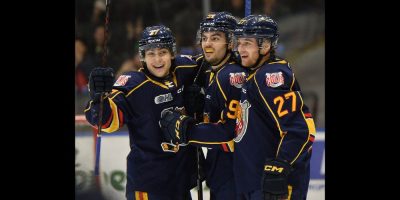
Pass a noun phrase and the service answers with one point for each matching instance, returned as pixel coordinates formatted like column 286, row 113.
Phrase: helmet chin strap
column 259, row 59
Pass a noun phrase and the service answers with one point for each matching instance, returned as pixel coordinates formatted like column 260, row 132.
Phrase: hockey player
column 223, row 82
column 155, row 171
column 274, row 129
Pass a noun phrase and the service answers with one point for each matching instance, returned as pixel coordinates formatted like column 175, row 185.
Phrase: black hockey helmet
column 258, row 26
column 219, row 21
column 157, row 37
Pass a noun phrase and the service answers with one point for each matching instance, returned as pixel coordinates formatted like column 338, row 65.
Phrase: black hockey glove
column 174, row 126
column 101, row 79
column 193, row 99
column 274, row 181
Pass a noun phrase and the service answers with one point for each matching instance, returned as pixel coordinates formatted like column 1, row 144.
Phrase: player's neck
column 221, row 63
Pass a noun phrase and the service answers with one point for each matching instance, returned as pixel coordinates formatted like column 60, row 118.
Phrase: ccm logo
column 271, row 168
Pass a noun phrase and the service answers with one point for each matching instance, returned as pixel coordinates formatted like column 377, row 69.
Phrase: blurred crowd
column 128, row 18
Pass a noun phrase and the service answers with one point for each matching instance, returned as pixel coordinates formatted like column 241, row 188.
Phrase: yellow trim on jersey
column 279, row 146
column 307, row 139
column 290, row 189
column 137, row 195
column 184, row 66
column 231, row 146
column 129, row 93
column 210, row 81
column 279, row 62
column 174, row 79
column 311, row 126
column 145, row 196
column 200, row 142
column 115, row 94
column 251, row 76
column 197, row 59
column 157, row 83
column 291, row 86
column 219, row 86
column 115, row 120
column 90, row 105
column 269, row 108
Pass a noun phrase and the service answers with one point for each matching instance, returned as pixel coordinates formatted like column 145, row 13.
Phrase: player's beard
column 212, row 56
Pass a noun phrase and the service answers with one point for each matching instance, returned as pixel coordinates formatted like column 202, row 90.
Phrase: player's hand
column 274, row 180
column 193, row 99
column 101, row 79
column 174, row 126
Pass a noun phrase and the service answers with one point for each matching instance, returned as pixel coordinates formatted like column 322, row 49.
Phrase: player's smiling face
column 248, row 50
column 158, row 61
column 214, row 46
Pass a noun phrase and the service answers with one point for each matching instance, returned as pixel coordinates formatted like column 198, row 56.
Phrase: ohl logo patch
column 237, row 79
column 122, row 80
column 274, row 80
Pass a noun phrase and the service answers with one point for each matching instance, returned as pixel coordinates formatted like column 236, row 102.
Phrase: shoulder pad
column 275, row 75
column 129, row 80
column 233, row 74
column 198, row 57
column 184, row 60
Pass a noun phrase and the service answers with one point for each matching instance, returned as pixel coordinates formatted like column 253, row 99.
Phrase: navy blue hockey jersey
column 222, row 95
column 138, row 100
column 273, row 123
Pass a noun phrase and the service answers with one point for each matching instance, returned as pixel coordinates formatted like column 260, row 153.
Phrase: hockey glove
column 274, row 181
column 174, row 126
column 193, row 99
column 101, row 79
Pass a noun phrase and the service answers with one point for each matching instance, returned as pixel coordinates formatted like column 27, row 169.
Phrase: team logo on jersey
column 237, row 79
column 180, row 89
column 163, row 98
column 170, row 84
column 274, row 80
column 242, row 120
column 122, row 80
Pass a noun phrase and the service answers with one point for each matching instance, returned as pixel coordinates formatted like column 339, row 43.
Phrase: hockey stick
column 100, row 119
column 198, row 149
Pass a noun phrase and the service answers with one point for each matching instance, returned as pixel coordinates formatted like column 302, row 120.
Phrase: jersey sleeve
column 283, row 101
column 116, row 109
column 220, row 134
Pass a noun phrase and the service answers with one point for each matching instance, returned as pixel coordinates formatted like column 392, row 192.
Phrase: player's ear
column 266, row 46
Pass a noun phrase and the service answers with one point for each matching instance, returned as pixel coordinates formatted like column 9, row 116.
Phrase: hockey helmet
column 219, row 21
column 157, row 37
column 258, row 26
